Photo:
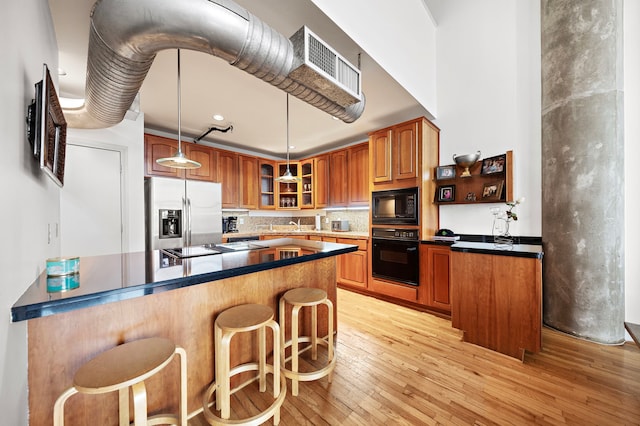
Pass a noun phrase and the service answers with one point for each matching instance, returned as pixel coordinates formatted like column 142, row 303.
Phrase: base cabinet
column 435, row 277
column 352, row 267
column 497, row 301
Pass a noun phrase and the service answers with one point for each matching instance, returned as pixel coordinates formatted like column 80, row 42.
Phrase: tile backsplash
column 358, row 220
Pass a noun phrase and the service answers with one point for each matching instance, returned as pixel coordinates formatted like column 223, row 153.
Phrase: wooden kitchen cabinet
column 395, row 154
column 267, row 193
column 307, row 199
column 358, row 167
column 497, row 301
column 204, row 155
column 321, row 182
column 352, row 267
column 157, row 147
column 288, row 193
column 229, row 177
column 339, row 178
column 435, row 280
column 249, row 181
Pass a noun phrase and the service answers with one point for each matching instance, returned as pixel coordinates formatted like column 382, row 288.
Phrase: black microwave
column 395, row 207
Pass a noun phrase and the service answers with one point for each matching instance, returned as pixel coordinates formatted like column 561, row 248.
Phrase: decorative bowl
column 466, row 161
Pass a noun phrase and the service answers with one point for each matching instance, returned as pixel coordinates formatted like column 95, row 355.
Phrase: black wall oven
column 395, row 207
column 395, row 255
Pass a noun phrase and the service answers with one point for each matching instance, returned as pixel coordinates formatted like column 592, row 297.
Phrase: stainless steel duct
column 125, row 36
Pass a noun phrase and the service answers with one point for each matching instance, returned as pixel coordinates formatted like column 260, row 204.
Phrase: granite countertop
column 524, row 246
column 112, row 278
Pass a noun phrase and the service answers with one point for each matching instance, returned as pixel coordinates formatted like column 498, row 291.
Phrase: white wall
column 400, row 39
column 632, row 150
column 127, row 136
column 488, row 67
column 30, row 200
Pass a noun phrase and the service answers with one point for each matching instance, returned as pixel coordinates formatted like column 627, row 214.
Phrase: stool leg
column 294, row 349
column 314, row 332
column 58, row 407
column 282, row 318
column 182, row 407
column 262, row 358
column 330, row 349
column 123, row 406
column 139, row 404
column 276, row 367
column 225, row 386
column 216, row 363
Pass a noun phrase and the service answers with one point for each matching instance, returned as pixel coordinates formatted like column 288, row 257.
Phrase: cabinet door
column 206, row 157
column 338, row 179
column 307, row 183
column 359, row 175
column 352, row 268
column 405, row 151
column 229, row 177
column 288, row 193
column 159, row 147
column 267, row 194
column 321, row 188
column 439, row 266
column 248, row 181
column 380, row 145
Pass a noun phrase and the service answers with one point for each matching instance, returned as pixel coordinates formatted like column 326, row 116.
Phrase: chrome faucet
column 295, row 224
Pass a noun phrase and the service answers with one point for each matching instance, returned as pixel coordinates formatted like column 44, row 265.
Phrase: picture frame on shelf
column 445, row 172
column 492, row 190
column 445, row 193
column 492, row 165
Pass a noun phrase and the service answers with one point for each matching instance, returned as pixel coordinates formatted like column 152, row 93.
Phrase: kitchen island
column 120, row 298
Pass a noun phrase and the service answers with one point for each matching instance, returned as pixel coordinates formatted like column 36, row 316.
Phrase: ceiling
column 255, row 109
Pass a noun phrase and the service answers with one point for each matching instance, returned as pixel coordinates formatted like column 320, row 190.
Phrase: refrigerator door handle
column 189, row 221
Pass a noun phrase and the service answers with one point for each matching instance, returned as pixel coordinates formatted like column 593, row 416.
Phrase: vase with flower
column 501, row 221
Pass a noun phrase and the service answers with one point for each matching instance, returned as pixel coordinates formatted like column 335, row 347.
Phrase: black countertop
column 522, row 247
column 112, row 278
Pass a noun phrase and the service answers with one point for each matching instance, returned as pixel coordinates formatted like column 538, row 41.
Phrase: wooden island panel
column 497, row 301
column 61, row 343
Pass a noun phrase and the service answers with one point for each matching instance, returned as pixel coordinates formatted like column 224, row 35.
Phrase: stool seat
column 124, row 368
column 305, row 296
column 124, row 365
column 244, row 317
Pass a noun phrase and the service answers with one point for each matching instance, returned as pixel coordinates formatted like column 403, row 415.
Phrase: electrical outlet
column 241, row 221
column 326, row 219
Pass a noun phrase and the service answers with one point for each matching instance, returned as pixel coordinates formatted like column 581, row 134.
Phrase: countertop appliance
column 339, row 225
column 182, row 213
column 395, row 207
column 230, row 224
column 395, row 255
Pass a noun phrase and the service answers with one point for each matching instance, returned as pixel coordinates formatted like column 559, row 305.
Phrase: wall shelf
column 477, row 188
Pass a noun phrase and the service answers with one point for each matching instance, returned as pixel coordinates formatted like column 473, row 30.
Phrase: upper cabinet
column 358, row 178
column 338, row 178
column 157, row 147
column 321, row 181
column 395, row 155
column 307, row 189
column 229, row 176
column 288, row 193
column 204, row 155
column 249, row 181
column 267, row 194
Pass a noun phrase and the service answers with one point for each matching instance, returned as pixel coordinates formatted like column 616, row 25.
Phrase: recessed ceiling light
column 71, row 103
column 61, row 71
column 292, row 147
column 218, row 117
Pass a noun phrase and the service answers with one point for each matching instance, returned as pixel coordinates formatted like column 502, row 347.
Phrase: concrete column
column 582, row 168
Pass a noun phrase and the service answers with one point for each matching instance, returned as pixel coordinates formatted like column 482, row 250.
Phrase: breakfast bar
column 122, row 298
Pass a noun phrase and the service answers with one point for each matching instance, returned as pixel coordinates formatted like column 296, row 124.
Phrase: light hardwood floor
column 399, row 366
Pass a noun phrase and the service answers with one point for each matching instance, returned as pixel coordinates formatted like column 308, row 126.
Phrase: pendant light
column 179, row 161
column 288, row 177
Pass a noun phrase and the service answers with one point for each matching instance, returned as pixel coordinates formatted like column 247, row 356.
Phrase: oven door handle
column 412, row 249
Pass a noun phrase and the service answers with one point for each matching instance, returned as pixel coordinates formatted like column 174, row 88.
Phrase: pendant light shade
column 179, row 161
column 288, row 177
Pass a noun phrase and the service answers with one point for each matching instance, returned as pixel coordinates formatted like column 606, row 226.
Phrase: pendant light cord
column 288, row 132
column 179, row 107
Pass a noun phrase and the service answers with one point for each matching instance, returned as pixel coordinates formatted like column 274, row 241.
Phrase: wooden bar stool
column 299, row 298
column 128, row 366
column 244, row 318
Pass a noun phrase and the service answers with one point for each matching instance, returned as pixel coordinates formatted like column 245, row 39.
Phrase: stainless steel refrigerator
column 182, row 213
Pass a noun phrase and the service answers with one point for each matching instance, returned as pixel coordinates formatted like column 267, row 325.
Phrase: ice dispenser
column 170, row 223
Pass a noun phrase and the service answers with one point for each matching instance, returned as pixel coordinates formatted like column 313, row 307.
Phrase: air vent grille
column 323, row 69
